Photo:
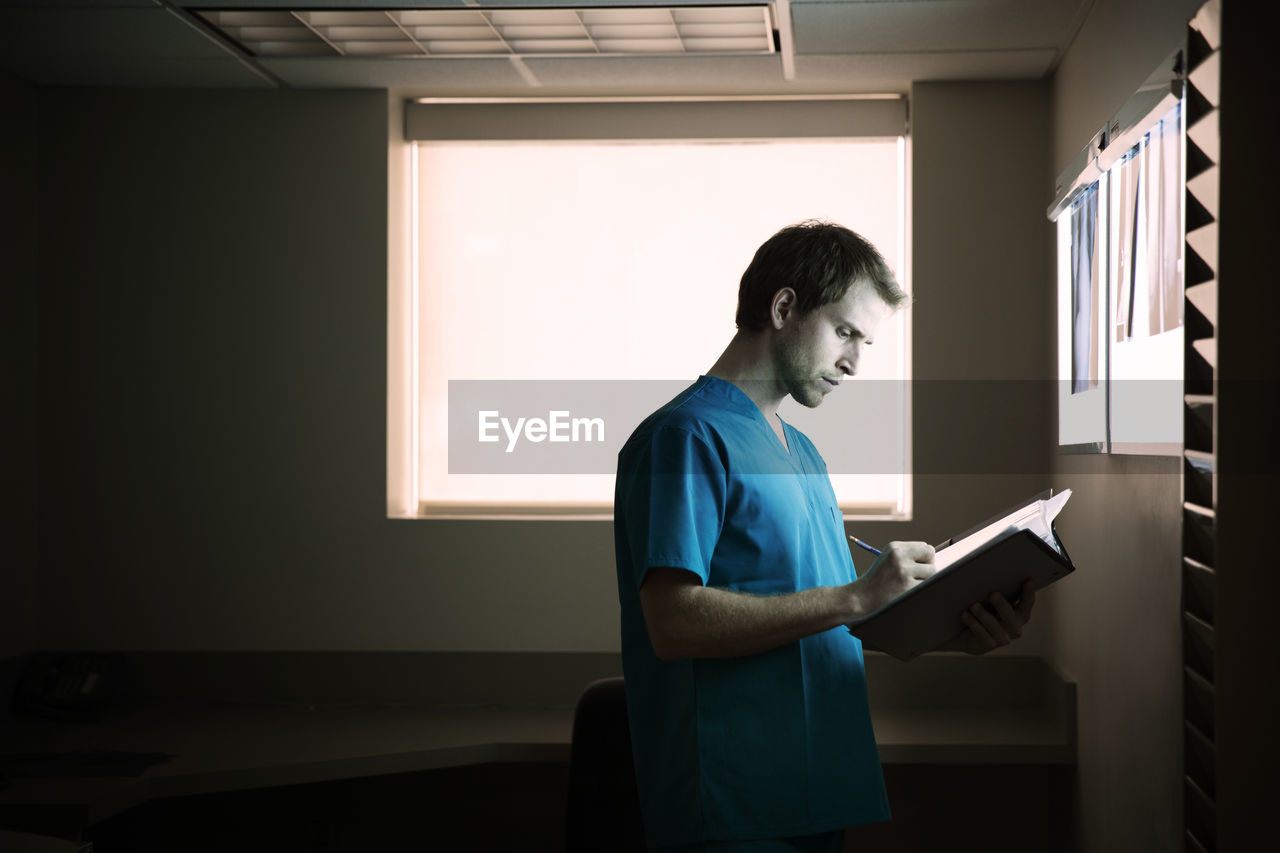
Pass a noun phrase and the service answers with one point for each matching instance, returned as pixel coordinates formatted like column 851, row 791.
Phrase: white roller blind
column 619, row 264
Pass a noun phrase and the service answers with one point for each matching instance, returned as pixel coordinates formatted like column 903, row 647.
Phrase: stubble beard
column 798, row 377
column 804, row 392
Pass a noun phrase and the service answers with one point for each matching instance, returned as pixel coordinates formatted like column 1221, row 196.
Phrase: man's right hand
column 901, row 566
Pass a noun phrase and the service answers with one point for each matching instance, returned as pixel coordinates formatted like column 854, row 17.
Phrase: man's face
column 812, row 353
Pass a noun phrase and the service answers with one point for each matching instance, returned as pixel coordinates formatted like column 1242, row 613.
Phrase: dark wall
column 1248, row 456
column 1117, row 619
column 983, row 304
column 212, row 343
column 214, row 409
column 19, row 321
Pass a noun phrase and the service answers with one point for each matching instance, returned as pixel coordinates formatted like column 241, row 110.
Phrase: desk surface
column 225, row 746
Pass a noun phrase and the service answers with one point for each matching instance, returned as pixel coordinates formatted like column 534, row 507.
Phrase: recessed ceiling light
column 425, row 33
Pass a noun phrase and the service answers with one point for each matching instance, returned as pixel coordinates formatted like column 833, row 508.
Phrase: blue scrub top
column 765, row 746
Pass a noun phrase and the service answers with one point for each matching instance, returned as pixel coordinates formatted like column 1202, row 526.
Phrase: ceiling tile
column 850, row 46
column 132, row 72
column 153, row 33
column 667, row 74
column 895, row 71
column 81, row 4
column 915, row 26
column 466, row 75
column 336, row 4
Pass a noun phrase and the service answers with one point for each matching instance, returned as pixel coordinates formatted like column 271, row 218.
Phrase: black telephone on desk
column 61, row 686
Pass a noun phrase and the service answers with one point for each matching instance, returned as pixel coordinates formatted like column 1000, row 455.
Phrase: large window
column 565, row 288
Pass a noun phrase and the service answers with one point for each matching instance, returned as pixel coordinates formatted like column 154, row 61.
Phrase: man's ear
column 782, row 307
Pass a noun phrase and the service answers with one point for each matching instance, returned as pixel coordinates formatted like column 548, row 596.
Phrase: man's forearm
column 689, row 620
column 686, row 619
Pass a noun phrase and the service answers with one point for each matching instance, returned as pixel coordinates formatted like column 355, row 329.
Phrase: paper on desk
column 1035, row 516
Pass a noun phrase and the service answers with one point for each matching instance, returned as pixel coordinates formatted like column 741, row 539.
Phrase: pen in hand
column 873, row 549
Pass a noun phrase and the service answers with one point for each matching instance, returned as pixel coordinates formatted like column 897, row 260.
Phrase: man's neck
column 747, row 363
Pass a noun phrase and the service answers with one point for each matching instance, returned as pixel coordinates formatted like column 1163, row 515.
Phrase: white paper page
column 1048, row 512
column 1035, row 517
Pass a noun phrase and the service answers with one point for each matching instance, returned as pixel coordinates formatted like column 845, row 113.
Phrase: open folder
column 996, row 556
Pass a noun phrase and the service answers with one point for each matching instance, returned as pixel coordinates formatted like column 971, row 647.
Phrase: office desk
column 936, row 710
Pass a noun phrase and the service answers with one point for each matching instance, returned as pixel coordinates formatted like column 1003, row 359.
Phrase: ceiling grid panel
column 574, row 31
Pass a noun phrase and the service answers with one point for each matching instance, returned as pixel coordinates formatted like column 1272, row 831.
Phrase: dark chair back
column 603, row 809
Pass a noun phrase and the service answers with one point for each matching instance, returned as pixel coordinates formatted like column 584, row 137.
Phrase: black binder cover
column 928, row 615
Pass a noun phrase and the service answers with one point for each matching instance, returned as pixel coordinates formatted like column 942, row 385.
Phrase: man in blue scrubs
column 746, row 694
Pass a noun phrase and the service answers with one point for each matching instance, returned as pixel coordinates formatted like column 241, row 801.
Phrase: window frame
column 616, row 119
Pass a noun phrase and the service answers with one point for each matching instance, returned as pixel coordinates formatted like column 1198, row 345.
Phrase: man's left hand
column 994, row 623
